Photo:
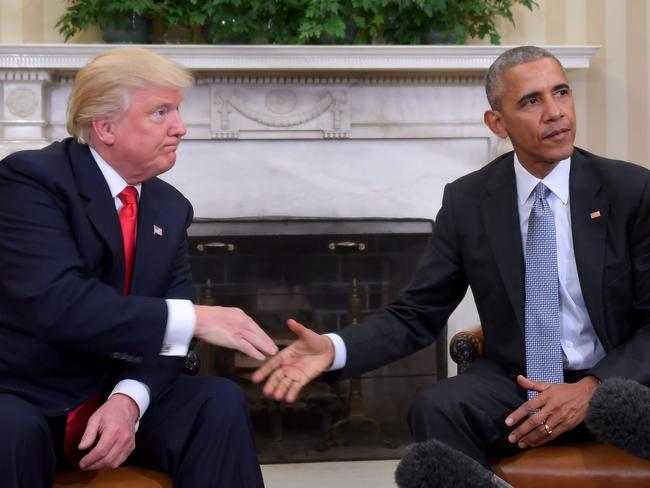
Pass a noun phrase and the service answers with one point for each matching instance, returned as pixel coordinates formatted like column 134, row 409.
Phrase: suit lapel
column 501, row 220
column 150, row 235
column 589, row 216
column 100, row 206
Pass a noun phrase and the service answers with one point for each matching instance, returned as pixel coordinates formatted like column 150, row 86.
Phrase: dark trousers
column 198, row 431
column 468, row 412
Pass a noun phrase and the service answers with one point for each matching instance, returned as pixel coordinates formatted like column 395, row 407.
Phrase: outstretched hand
column 230, row 327
column 295, row 365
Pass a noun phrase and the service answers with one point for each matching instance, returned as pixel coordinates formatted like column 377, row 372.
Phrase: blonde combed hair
column 102, row 87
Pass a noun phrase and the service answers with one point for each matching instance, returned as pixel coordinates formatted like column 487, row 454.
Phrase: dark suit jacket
column 66, row 329
column 477, row 242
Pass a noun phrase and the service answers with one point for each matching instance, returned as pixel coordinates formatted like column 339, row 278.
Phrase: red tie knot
column 129, row 195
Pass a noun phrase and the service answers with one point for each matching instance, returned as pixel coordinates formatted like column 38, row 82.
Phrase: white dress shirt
column 181, row 318
column 581, row 347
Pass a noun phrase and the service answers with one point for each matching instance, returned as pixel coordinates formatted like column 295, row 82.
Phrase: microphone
column 619, row 414
column 433, row 464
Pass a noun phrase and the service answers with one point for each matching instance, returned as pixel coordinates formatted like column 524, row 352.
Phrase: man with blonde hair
column 95, row 316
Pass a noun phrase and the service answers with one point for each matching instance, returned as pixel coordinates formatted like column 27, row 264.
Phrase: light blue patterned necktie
column 542, row 309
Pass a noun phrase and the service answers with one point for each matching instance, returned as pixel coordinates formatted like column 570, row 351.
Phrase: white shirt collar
column 115, row 182
column 557, row 181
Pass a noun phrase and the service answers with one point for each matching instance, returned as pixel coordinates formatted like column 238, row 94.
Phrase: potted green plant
column 129, row 20
column 120, row 20
column 306, row 21
column 236, row 21
column 357, row 21
column 179, row 20
column 405, row 21
column 279, row 22
column 446, row 21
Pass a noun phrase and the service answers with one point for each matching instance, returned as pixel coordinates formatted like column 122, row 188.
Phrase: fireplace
column 325, row 273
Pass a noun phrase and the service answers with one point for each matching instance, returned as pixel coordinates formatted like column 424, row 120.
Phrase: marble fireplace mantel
column 306, row 131
column 273, row 92
column 59, row 57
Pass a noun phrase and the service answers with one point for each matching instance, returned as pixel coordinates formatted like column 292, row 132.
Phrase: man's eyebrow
column 528, row 96
column 537, row 94
column 157, row 105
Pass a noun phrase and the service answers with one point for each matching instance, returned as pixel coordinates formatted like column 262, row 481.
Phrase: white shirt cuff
column 181, row 320
column 136, row 391
column 340, row 352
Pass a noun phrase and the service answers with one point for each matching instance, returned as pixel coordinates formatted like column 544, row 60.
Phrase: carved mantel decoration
column 277, row 108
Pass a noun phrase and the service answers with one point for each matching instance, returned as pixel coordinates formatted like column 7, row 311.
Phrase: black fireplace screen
column 326, row 274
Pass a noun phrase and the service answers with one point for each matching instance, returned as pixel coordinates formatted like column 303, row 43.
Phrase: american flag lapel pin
column 157, row 231
column 595, row 214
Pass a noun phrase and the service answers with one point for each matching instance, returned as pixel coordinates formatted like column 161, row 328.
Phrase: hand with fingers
column 557, row 409
column 112, row 428
column 296, row 365
column 230, row 327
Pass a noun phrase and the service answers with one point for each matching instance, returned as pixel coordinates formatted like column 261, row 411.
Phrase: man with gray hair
column 95, row 287
column 555, row 244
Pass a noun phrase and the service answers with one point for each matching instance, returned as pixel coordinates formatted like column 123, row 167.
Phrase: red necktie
column 128, row 222
column 77, row 420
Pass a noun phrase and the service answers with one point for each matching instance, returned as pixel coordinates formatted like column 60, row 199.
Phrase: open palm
column 295, row 365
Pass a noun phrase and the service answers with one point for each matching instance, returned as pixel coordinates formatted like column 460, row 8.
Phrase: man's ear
column 494, row 121
column 103, row 130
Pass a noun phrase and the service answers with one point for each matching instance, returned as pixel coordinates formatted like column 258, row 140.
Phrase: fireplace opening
column 326, row 274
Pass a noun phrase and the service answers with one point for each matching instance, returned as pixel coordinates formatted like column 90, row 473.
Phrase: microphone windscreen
column 619, row 414
column 432, row 464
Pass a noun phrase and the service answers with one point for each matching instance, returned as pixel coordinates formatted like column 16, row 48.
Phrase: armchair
column 580, row 465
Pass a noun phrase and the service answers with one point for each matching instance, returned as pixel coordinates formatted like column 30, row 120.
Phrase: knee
column 24, row 426
column 433, row 407
column 25, row 431
column 226, row 392
column 430, row 401
column 224, row 400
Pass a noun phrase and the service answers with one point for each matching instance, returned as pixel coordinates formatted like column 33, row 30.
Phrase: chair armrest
column 465, row 347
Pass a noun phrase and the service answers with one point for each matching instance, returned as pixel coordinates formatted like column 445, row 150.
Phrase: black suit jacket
column 477, row 242
column 66, row 329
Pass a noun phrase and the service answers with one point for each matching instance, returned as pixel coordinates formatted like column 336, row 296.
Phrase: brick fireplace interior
column 325, row 274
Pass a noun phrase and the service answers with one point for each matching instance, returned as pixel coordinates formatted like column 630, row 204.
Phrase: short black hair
column 509, row 59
